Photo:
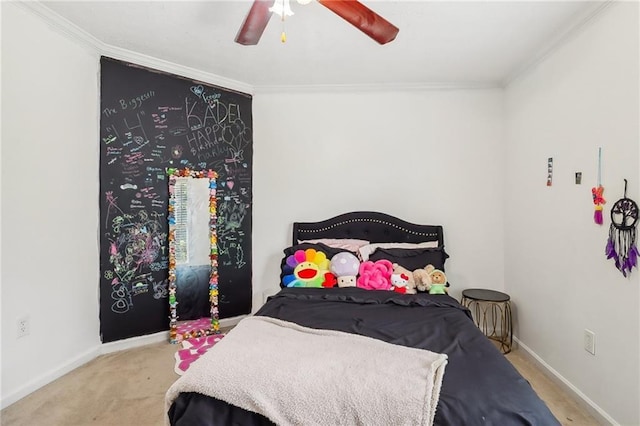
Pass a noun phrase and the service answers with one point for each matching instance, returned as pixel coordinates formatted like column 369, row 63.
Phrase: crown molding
column 100, row 48
column 62, row 25
column 579, row 24
column 383, row 87
column 173, row 68
column 96, row 46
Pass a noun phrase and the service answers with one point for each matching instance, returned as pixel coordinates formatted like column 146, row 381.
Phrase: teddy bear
column 402, row 271
column 422, row 279
column 439, row 282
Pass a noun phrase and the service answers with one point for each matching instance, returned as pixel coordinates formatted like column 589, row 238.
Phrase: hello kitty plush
column 399, row 283
column 411, row 285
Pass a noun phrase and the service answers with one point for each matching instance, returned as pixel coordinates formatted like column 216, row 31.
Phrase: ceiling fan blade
column 363, row 18
column 255, row 23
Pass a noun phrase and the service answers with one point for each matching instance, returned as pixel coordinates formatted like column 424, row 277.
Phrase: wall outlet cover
column 590, row 341
column 24, row 327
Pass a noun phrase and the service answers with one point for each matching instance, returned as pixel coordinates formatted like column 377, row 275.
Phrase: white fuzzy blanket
column 295, row 375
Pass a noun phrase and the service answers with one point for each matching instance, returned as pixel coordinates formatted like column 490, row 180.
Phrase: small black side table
column 492, row 314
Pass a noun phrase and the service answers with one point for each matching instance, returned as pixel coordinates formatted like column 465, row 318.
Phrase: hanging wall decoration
column 621, row 246
column 597, row 193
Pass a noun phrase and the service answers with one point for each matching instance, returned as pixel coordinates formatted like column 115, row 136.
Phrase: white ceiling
column 440, row 42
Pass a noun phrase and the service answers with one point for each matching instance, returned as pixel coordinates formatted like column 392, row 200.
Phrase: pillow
column 412, row 259
column 329, row 251
column 316, row 254
column 341, row 243
column 365, row 251
column 375, row 275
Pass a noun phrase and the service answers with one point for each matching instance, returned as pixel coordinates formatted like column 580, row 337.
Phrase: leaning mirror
column 193, row 254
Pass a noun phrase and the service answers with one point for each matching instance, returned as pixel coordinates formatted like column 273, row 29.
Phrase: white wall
column 321, row 154
column 585, row 95
column 430, row 157
column 49, row 202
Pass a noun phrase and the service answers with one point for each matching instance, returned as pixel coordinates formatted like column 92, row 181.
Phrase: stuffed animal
column 375, row 275
column 399, row 283
column 422, row 278
column 308, row 268
column 411, row 284
column 345, row 267
column 439, row 282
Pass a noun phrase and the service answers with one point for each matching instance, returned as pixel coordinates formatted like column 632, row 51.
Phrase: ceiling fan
column 352, row 11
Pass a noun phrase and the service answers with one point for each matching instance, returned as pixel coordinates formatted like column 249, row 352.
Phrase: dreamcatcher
column 621, row 246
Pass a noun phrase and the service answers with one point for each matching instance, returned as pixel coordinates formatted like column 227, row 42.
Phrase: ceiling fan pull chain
column 283, row 36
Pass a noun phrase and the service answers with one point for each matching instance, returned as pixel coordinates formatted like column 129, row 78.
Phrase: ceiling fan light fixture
column 281, row 8
column 352, row 11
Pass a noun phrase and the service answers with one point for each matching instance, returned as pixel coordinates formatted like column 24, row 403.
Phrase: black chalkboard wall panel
column 150, row 121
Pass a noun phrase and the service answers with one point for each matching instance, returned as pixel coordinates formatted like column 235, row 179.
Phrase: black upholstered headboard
column 372, row 226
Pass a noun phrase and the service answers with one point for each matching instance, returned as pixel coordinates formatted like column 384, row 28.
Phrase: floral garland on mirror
column 174, row 335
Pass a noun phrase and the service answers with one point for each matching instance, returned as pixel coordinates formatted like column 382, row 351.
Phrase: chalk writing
column 135, row 243
column 214, row 113
column 109, row 139
column 178, row 131
column 133, row 158
column 150, row 121
column 197, row 90
column 158, row 266
column 136, row 102
column 109, row 111
column 114, row 150
column 121, row 298
column 160, row 289
column 136, row 124
column 160, row 120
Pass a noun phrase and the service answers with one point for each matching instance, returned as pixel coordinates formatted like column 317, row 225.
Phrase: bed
column 478, row 386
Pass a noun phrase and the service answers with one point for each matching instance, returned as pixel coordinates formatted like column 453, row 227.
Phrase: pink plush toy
column 375, row 275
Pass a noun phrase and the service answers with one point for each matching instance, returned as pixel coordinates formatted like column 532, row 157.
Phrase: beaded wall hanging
column 597, row 193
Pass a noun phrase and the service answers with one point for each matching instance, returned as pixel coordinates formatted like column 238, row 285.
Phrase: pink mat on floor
column 192, row 349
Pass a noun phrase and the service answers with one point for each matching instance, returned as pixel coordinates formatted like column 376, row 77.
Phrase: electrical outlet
column 590, row 341
column 24, row 327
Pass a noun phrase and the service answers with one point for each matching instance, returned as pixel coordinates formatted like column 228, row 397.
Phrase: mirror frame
column 211, row 175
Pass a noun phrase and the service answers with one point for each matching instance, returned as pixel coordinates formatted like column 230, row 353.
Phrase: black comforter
column 480, row 386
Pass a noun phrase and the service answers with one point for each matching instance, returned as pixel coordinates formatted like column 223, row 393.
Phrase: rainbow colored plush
column 308, row 268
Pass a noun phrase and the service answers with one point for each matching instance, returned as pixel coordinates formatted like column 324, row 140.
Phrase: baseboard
column 49, row 377
column 93, row 353
column 598, row 413
column 133, row 342
column 162, row 336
